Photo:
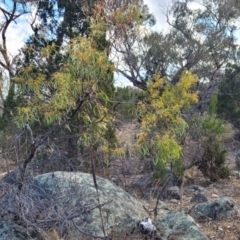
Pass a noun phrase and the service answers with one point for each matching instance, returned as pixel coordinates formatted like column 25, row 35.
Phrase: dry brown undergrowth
column 124, row 171
column 227, row 229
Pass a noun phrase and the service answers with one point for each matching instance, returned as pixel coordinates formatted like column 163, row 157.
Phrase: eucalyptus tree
column 229, row 95
column 201, row 38
column 58, row 22
column 205, row 39
column 11, row 13
column 127, row 27
column 48, row 22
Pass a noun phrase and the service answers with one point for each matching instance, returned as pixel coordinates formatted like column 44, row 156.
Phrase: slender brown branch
column 4, row 46
column 96, row 187
column 155, row 210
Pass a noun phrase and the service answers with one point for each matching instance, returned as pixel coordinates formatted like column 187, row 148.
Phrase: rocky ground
column 133, row 178
column 199, row 209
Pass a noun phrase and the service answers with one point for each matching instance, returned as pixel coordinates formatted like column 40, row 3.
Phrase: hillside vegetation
column 177, row 125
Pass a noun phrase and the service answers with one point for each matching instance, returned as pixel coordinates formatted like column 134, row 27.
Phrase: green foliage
column 213, row 125
column 126, row 99
column 214, row 132
column 213, row 105
column 213, row 161
column 82, row 88
column 211, row 132
column 2, row 123
column 110, row 136
column 73, row 17
column 229, row 95
column 178, row 168
column 161, row 120
column 79, row 77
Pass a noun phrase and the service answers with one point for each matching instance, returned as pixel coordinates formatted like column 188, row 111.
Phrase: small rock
column 219, row 208
column 189, row 190
column 173, row 193
column 199, row 198
column 198, row 188
column 142, row 182
column 214, row 195
column 174, row 201
column 195, row 188
column 235, row 173
column 179, row 226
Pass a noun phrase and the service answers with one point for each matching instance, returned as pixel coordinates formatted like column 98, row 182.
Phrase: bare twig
column 96, row 187
column 155, row 210
column 36, row 207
